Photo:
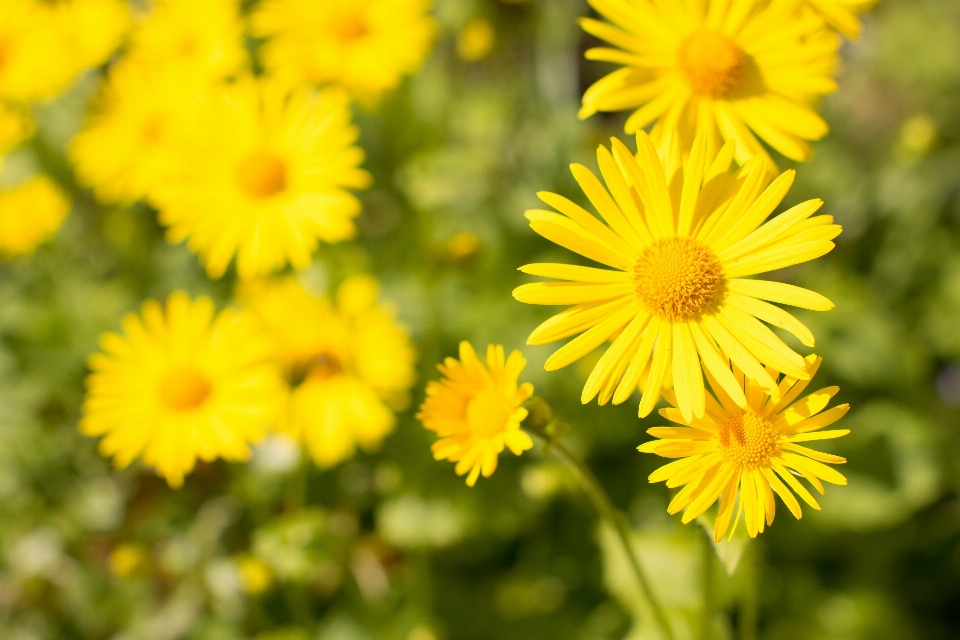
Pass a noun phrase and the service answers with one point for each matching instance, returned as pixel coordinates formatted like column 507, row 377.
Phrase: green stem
column 605, row 507
column 707, row 586
column 750, row 566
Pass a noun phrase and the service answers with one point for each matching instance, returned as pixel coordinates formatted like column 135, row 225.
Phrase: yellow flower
column 255, row 574
column 348, row 363
column 842, row 14
column 754, row 449
column 366, row 46
column 269, row 182
column 129, row 145
column 476, row 410
column 44, row 45
column 681, row 241
column 15, row 127
column 181, row 384
column 30, row 214
column 722, row 70
column 475, row 40
column 126, row 559
column 197, row 39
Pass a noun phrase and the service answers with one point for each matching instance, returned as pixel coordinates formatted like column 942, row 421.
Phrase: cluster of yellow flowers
column 684, row 226
column 236, row 126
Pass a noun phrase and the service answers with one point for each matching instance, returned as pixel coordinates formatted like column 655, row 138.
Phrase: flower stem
column 747, row 619
column 605, row 507
column 706, row 587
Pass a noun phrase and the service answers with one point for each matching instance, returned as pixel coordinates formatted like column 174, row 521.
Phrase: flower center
column 349, row 27
column 487, row 413
column 153, row 130
column 712, row 63
column 262, row 175
column 324, row 366
column 184, row 390
column 747, row 441
column 677, row 277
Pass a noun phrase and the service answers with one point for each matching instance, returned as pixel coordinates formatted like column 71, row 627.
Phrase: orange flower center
column 712, row 62
column 487, row 412
column 349, row 27
column 747, row 441
column 262, row 174
column 676, row 278
column 326, row 365
column 184, row 390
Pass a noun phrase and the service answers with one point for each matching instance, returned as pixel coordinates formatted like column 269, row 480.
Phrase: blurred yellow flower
column 125, row 559
column 197, row 39
column 30, row 214
column 842, row 14
column 732, row 71
column 476, row 411
column 181, row 384
column 16, row 125
column 144, row 115
column 255, row 574
column 349, row 363
column 754, row 449
column 268, row 182
column 682, row 241
column 45, row 45
column 475, row 40
column 366, row 46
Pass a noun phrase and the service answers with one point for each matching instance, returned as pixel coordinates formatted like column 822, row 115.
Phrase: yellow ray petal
column 661, row 360
column 588, row 341
column 575, row 320
column 687, row 375
column 561, row 293
column 717, row 366
column 628, row 384
column 739, row 354
column 772, row 315
column 780, row 292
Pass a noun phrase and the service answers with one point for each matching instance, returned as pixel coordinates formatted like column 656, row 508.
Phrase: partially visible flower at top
column 726, row 71
column 182, row 383
column 45, row 45
column 755, row 450
column 366, row 46
column 842, row 14
column 476, row 411
column 202, row 40
column 268, row 181
column 349, row 363
column 143, row 116
column 682, row 239
column 30, row 214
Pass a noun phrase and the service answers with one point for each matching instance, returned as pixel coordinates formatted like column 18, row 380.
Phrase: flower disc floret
column 747, row 441
column 677, row 277
column 712, row 62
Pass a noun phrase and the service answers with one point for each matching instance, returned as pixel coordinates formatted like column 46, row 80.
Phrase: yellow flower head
column 348, row 363
column 366, row 46
column 144, row 115
column 45, row 45
column 754, row 449
column 842, row 14
column 717, row 69
column 182, row 383
column 16, row 125
column 202, row 40
column 681, row 241
column 476, row 410
column 29, row 215
column 269, row 182
column 255, row 575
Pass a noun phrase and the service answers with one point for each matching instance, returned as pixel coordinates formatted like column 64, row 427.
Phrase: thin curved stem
column 605, row 507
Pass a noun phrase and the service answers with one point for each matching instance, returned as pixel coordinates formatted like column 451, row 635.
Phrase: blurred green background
column 393, row 545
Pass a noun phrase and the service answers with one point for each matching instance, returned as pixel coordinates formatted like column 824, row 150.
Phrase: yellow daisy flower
column 681, row 241
column 30, row 214
column 269, row 183
column 182, row 383
column 16, row 125
column 734, row 71
column 349, row 363
column 46, row 45
column 754, row 449
column 476, row 410
column 143, row 116
column 842, row 14
column 198, row 39
column 366, row 46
